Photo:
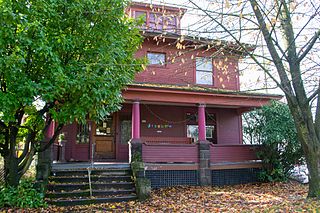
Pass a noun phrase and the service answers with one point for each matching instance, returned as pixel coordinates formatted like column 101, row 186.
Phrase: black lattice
column 165, row 178
column 234, row 176
column 1, row 173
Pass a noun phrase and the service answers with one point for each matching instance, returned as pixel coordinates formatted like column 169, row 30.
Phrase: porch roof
column 184, row 94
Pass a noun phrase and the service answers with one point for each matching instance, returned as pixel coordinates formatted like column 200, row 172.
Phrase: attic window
column 143, row 15
column 204, row 71
column 156, row 58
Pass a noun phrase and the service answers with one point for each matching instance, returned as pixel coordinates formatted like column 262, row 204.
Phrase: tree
column 60, row 61
column 291, row 34
column 273, row 127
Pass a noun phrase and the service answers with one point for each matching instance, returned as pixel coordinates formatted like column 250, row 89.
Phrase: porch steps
column 70, row 185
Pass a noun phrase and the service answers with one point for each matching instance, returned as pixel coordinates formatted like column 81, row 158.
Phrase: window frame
column 83, row 133
column 168, row 28
column 157, row 65
column 211, row 72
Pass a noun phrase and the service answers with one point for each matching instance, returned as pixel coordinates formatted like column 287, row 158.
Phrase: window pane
column 209, row 131
column 204, row 64
column 192, row 131
column 125, row 131
column 104, row 127
column 156, row 58
column 143, row 15
column 83, row 132
column 204, row 77
column 138, row 14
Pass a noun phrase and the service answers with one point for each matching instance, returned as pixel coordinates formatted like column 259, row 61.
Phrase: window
column 204, row 71
column 125, row 128
column 193, row 132
column 143, row 15
column 170, row 23
column 156, row 58
column 104, row 128
column 211, row 127
column 83, row 133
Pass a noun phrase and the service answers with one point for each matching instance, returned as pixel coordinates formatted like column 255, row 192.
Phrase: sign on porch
column 159, row 126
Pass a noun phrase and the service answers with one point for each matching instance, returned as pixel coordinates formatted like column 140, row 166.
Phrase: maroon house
column 184, row 109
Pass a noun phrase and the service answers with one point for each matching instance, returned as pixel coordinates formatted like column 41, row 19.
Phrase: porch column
column 201, row 122
column 205, row 174
column 135, row 144
column 136, row 120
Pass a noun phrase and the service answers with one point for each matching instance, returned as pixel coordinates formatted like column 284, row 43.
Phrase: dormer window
column 158, row 21
column 156, row 58
column 143, row 15
column 204, row 71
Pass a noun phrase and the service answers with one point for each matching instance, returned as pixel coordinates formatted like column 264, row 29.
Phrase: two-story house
column 184, row 110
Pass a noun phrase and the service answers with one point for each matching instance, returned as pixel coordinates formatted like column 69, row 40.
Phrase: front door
column 104, row 139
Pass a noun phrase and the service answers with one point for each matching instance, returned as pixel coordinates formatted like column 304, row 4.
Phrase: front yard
column 266, row 197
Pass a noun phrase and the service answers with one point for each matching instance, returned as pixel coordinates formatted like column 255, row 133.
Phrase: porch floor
column 86, row 165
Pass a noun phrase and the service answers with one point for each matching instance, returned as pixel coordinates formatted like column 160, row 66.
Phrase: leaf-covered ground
column 267, row 197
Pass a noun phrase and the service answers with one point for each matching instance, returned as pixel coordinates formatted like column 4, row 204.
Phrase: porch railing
column 170, row 153
column 167, row 140
column 233, row 153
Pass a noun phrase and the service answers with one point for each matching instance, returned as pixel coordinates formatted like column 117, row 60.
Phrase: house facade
column 184, row 110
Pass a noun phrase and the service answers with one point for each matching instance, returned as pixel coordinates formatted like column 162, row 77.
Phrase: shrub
column 24, row 196
column 273, row 127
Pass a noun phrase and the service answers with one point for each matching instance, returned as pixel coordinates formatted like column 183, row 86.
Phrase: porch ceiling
column 183, row 95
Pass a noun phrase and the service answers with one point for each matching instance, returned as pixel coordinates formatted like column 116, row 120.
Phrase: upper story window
column 141, row 14
column 156, row 58
column 204, row 71
column 158, row 21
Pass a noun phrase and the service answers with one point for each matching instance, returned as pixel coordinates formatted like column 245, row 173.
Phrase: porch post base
column 205, row 176
column 135, row 150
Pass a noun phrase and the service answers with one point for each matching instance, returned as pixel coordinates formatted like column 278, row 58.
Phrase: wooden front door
column 104, row 139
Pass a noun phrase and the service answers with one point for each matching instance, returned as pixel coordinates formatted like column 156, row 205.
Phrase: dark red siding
column 170, row 153
column 182, row 70
column 233, row 153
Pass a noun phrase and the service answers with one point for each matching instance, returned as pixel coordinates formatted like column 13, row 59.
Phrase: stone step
column 88, row 200
column 85, row 178
column 62, row 187
column 86, row 193
column 76, row 173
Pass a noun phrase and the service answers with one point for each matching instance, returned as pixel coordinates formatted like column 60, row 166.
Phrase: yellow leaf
column 227, row 4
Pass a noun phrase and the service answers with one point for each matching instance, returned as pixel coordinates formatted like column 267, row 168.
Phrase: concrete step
column 88, row 200
column 76, row 173
column 85, row 178
column 67, row 187
column 86, row 193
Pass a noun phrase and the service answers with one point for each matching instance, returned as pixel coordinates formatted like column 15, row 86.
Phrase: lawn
column 266, row 197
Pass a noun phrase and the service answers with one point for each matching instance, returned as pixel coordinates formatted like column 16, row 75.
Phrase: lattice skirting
column 235, row 176
column 165, row 178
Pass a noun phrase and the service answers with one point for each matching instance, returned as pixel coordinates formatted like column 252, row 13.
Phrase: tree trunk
column 314, row 179
column 11, row 167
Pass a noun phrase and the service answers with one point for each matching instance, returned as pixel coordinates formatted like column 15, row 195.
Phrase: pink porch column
column 201, row 122
column 136, row 120
column 205, row 174
column 135, row 145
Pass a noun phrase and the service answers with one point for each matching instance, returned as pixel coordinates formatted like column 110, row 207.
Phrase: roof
column 181, row 10
column 228, row 45
column 183, row 95
column 195, row 88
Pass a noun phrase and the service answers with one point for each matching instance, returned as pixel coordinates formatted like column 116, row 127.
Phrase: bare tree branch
column 309, row 45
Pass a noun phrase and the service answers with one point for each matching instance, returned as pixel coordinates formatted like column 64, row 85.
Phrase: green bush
column 273, row 127
column 24, row 196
